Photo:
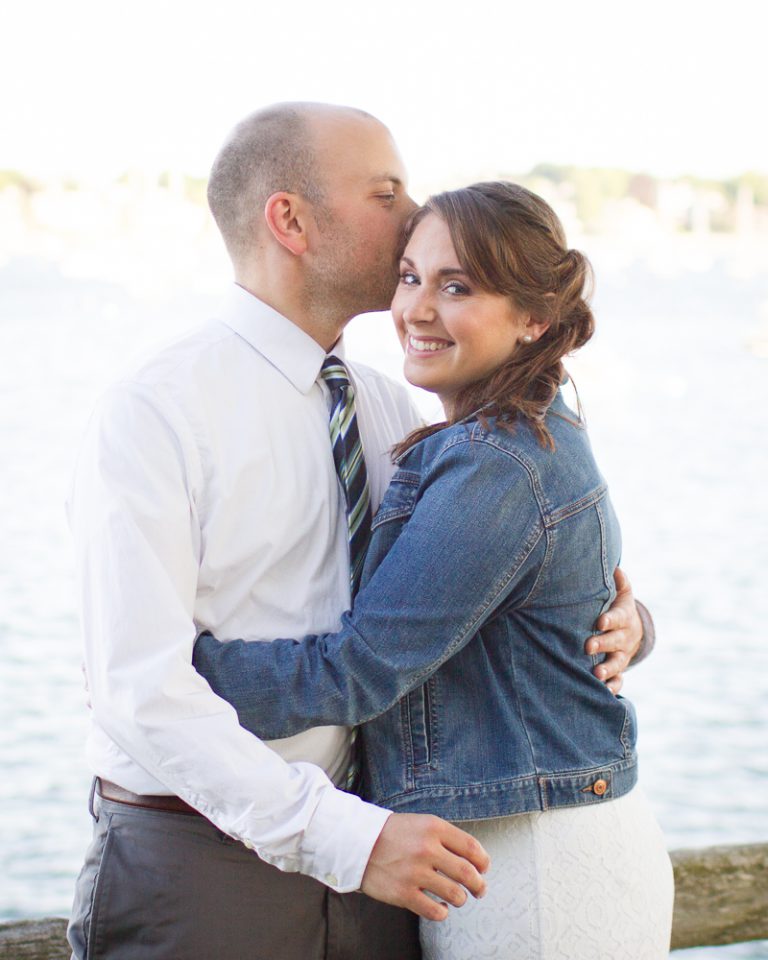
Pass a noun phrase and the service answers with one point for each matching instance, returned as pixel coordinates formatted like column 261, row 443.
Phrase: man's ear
column 285, row 214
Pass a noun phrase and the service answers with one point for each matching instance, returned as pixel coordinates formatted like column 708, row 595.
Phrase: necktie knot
column 335, row 374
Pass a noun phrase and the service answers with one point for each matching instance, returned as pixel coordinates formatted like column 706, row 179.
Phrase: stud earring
column 527, row 338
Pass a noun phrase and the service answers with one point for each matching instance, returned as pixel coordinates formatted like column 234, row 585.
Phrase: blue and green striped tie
column 350, row 464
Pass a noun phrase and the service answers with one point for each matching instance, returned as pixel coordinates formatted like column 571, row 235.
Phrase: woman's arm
column 466, row 547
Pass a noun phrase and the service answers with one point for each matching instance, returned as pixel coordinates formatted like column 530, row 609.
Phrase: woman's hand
column 621, row 636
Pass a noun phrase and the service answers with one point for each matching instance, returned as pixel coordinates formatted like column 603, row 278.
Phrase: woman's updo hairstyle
column 510, row 241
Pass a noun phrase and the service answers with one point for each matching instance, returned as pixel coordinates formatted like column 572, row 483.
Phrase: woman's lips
column 427, row 345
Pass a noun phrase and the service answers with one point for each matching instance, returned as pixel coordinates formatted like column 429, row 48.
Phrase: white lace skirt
column 576, row 883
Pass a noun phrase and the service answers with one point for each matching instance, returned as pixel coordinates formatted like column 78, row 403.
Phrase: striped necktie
column 350, row 464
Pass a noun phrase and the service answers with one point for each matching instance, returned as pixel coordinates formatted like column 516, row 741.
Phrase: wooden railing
column 721, row 897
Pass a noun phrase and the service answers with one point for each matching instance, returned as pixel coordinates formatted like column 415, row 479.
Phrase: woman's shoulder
column 562, row 471
column 492, row 438
column 464, row 451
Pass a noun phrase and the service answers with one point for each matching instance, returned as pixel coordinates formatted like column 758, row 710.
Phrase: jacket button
column 600, row 787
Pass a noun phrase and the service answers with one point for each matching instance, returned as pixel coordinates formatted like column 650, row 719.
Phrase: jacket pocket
column 422, row 716
column 400, row 498
column 629, row 728
column 610, row 546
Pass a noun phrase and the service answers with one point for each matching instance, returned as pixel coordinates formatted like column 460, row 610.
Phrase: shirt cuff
column 648, row 641
column 339, row 839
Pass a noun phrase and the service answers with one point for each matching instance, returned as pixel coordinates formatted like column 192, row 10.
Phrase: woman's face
column 452, row 332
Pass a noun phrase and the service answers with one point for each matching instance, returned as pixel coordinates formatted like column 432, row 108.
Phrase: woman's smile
column 427, row 345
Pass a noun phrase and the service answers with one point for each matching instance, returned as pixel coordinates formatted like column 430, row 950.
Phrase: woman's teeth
column 425, row 346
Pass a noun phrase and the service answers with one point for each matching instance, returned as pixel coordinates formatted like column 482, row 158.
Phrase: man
column 206, row 497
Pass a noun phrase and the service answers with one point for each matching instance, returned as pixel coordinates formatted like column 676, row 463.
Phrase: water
column 676, row 394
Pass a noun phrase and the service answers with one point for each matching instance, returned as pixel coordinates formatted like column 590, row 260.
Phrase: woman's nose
column 421, row 308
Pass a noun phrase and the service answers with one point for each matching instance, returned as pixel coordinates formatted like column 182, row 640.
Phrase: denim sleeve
column 648, row 641
column 460, row 555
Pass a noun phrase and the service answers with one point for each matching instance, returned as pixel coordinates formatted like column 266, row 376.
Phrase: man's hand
column 417, row 853
column 622, row 634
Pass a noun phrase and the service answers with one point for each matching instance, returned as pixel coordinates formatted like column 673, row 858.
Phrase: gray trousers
column 169, row 886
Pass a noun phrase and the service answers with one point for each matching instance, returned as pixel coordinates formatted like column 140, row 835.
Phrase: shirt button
column 600, row 787
column 331, row 879
column 247, row 844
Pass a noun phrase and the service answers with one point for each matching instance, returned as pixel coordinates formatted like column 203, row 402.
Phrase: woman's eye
column 455, row 288
column 408, row 279
column 388, row 197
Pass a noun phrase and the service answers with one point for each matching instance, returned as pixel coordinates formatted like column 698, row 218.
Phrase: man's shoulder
column 385, row 395
column 171, row 382
column 380, row 385
column 180, row 359
column 370, row 375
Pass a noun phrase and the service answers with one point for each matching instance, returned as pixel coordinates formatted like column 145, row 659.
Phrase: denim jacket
column 463, row 658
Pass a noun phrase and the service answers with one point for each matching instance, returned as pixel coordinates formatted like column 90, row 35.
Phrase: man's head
column 267, row 152
column 318, row 190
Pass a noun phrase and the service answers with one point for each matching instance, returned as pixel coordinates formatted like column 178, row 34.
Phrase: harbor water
column 675, row 389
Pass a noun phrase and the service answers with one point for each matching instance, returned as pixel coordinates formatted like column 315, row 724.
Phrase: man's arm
column 137, row 545
column 628, row 635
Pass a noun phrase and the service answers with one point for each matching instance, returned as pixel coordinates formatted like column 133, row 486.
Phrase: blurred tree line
column 684, row 202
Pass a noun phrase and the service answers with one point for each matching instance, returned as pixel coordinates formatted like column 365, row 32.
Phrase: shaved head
column 270, row 151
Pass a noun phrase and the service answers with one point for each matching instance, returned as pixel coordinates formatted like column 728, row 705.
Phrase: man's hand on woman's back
column 623, row 635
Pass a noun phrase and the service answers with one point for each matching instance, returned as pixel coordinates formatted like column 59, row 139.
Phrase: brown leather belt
column 111, row 791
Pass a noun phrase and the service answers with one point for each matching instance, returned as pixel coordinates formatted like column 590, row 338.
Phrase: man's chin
column 377, row 305
column 374, row 299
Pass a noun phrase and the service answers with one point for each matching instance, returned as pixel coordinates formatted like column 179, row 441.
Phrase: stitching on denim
column 407, row 740
column 549, row 533
column 417, row 729
column 571, row 509
column 427, row 694
column 625, row 740
column 527, row 465
column 411, row 481
column 517, row 686
column 496, row 788
column 395, row 513
column 496, row 592
column 607, row 575
column 432, row 732
column 406, row 476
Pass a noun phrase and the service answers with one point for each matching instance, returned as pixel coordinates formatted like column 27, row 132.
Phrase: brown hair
column 510, row 241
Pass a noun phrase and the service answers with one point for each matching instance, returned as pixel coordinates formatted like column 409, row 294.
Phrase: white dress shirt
column 205, row 497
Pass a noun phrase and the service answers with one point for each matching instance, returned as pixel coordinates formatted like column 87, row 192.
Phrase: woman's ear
column 534, row 330
column 284, row 214
column 530, row 329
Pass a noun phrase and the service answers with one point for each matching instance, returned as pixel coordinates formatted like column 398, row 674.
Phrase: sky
column 91, row 88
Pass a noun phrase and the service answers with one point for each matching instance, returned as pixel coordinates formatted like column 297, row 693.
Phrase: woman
column 492, row 556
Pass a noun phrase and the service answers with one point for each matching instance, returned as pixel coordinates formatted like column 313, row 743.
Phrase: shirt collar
column 287, row 347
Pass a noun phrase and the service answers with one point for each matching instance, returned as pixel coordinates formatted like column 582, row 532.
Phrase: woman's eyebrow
column 443, row 272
